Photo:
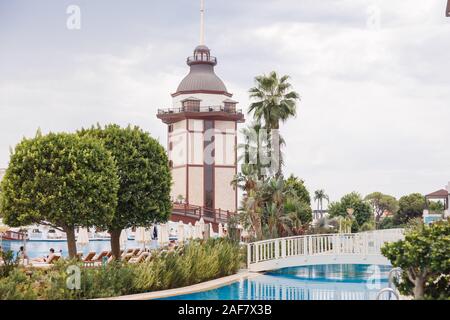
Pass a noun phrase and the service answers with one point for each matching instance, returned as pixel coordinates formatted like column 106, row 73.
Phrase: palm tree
column 319, row 196
column 251, row 149
column 275, row 102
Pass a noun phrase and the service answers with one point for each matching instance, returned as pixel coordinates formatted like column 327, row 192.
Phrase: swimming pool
column 319, row 282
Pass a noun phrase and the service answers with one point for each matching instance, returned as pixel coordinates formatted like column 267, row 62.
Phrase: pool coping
column 199, row 287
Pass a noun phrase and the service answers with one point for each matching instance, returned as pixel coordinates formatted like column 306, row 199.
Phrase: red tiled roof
column 439, row 193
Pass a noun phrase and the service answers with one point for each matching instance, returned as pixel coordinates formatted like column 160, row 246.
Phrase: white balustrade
column 361, row 245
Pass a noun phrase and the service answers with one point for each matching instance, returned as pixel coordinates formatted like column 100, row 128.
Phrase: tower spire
column 202, row 22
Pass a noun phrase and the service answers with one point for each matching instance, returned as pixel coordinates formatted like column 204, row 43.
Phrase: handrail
column 394, row 272
column 390, row 290
column 361, row 244
column 217, row 215
column 219, row 108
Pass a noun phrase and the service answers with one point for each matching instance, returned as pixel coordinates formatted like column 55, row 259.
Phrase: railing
column 197, row 212
column 361, row 244
column 12, row 235
column 225, row 109
column 390, row 291
column 201, row 58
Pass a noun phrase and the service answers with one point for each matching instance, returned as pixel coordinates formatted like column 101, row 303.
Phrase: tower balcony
column 201, row 58
column 228, row 113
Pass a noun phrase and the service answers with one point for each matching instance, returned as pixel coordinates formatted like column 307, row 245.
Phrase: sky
column 373, row 75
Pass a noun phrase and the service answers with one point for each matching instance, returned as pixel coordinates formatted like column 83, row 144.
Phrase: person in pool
column 46, row 259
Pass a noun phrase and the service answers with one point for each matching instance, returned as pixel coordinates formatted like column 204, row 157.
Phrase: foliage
column 144, row 178
column 382, row 203
column 388, row 223
column 273, row 207
column 362, row 209
column 298, row 187
column 9, row 263
column 195, row 262
column 60, row 179
column 424, row 256
column 410, row 206
column 274, row 100
column 319, row 196
column 367, row 226
column 436, row 207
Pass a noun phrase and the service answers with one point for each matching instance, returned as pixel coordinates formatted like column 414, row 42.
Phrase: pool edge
column 199, row 287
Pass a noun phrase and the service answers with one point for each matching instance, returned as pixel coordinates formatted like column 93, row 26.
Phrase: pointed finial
column 202, row 22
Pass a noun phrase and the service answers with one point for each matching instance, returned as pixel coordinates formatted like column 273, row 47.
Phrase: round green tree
column 62, row 180
column 144, row 178
column 410, row 207
column 362, row 210
column 424, row 256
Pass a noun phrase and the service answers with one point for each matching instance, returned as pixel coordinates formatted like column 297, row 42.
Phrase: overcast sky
column 374, row 77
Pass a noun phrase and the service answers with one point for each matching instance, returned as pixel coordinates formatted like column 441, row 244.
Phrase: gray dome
column 202, row 78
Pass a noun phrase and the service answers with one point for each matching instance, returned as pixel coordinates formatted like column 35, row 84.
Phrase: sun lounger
column 45, row 264
column 100, row 256
column 126, row 252
column 128, row 256
column 136, row 252
column 139, row 258
column 89, row 256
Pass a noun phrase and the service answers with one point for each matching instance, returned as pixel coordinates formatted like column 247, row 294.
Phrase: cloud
column 373, row 76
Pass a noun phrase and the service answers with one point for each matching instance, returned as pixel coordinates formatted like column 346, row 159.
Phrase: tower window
column 191, row 104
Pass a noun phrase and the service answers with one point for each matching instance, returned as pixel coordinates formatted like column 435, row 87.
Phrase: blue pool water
column 36, row 249
column 319, row 282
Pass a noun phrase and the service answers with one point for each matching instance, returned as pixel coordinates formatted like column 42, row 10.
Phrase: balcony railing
column 227, row 109
column 197, row 212
column 202, row 58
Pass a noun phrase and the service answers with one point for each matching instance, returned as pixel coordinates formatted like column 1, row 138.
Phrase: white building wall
column 225, row 197
column 195, row 148
column 196, row 186
column 179, row 183
column 206, row 99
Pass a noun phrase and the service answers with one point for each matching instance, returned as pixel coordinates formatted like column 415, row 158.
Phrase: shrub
column 196, row 262
column 424, row 258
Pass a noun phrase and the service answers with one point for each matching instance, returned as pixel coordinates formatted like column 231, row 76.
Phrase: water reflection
column 326, row 282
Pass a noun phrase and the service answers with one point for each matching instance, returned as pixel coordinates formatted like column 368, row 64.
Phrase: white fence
column 362, row 247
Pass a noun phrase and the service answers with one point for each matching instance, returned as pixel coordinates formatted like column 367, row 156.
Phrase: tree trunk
column 419, row 288
column 115, row 243
column 71, row 243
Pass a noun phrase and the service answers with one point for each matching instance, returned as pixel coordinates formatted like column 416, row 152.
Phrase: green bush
column 424, row 258
column 194, row 263
column 9, row 263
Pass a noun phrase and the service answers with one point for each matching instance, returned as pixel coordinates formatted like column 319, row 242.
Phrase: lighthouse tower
column 202, row 137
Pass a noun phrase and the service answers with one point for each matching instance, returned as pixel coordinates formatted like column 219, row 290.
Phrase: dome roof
column 201, row 78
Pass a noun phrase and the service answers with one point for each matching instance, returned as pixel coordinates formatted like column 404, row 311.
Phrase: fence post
column 277, row 249
column 283, row 247
column 256, row 248
column 310, row 246
column 305, row 245
column 249, row 252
